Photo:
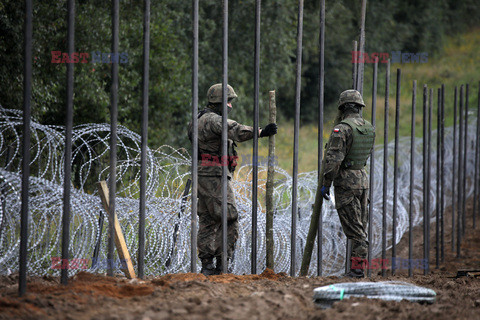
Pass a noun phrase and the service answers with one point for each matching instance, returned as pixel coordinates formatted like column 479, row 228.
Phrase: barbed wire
column 168, row 169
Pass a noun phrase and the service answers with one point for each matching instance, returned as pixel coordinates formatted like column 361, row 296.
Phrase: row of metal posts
column 68, row 139
column 439, row 172
column 462, row 158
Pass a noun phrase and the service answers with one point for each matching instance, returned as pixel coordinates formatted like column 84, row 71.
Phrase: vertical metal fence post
column 255, row 136
column 465, row 158
column 68, row 141
column 143, row 151
column 412, row 180
column 476, row 177
column 193, row 223
column 454, row 163
column 321, row 102
column 429, row 173
column 437, row 180
column 425, row 179
column 298, row 80
column 27, row 95
column 460, row 174
column 395, row 171
column 355, row 61
column 224, row 136
column 385, row 166
column 361, row 48
column 113, row 134
column 372, row 168
column 442, row 175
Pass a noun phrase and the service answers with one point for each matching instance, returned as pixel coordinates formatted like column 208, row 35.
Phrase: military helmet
column 214, row 94
column 350, row 96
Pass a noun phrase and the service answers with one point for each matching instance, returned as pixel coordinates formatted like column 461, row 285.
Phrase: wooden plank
column 119, row 238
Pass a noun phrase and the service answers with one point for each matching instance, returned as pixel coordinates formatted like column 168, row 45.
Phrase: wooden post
column 317, row 211
column 119, row 239
column 270, row 178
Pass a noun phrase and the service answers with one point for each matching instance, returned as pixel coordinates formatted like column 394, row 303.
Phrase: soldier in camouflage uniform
column 348, row 150
column 210, row 178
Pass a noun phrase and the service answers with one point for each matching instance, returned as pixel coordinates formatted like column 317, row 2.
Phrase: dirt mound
column 169, row 279
column 93, row 285
column 268, row 295
column 268, row 274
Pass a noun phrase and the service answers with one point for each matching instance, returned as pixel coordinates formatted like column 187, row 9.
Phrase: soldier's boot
column 208, row 268
column 355, row 273
column 219, row 267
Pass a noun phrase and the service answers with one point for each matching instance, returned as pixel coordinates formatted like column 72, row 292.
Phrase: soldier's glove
column 325, row 193
column 269, row 130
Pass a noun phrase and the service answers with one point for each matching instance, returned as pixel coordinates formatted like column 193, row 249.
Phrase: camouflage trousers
column 209, row 239
column 351, row 206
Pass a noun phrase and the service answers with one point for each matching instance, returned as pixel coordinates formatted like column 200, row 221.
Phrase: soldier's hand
column 269, row 130
column 325, row 193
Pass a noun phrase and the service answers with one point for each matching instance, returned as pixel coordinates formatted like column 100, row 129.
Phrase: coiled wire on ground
column 167, row 172
column 388, row 290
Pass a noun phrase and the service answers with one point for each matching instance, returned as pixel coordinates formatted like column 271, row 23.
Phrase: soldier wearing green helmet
column 210, row 177
column 348, row 150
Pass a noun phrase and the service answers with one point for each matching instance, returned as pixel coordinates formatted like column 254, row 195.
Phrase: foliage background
column 392, row 25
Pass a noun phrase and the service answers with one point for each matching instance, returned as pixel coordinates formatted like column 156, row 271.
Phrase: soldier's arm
column 236, row 131
column 335, row 153
column 239, row 132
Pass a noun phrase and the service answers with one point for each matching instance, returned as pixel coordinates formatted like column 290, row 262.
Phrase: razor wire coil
column 167, row 172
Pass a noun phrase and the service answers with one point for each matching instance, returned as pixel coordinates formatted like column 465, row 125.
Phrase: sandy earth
column 265, row 296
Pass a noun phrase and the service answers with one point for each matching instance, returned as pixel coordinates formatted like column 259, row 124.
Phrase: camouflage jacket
column 210, row 141
column 339, row 144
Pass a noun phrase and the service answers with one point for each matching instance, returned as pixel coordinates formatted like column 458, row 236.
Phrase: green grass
column 455, row 64
column 307, row 153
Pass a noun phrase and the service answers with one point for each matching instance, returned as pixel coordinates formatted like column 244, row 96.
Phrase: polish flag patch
column 336, row 130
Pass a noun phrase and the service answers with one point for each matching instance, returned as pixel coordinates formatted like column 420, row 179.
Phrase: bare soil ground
column 265, row 296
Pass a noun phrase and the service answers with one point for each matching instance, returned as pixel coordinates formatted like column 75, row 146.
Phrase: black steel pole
column 476, row 177
column 298, row 80
column 442, row 175
column 454, row 175
column 372, row 170
column 437, row 180
column 255, row 136
column 395, row 170
column 68, row 141
column 96, row 250
column 113, row 132
column 412, row 180
column 429, row 173
column 193, row 234
column 224, row 136
column 465, row 158
column 385, row 168
column 321, row 104
column 361, row 47
column 27, row 95
column 425, row 168
column 143, row 151
column 460, row 174
column 355, row 61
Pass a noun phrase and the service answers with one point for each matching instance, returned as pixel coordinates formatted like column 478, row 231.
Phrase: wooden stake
column 119, row 238
column 270, row 178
